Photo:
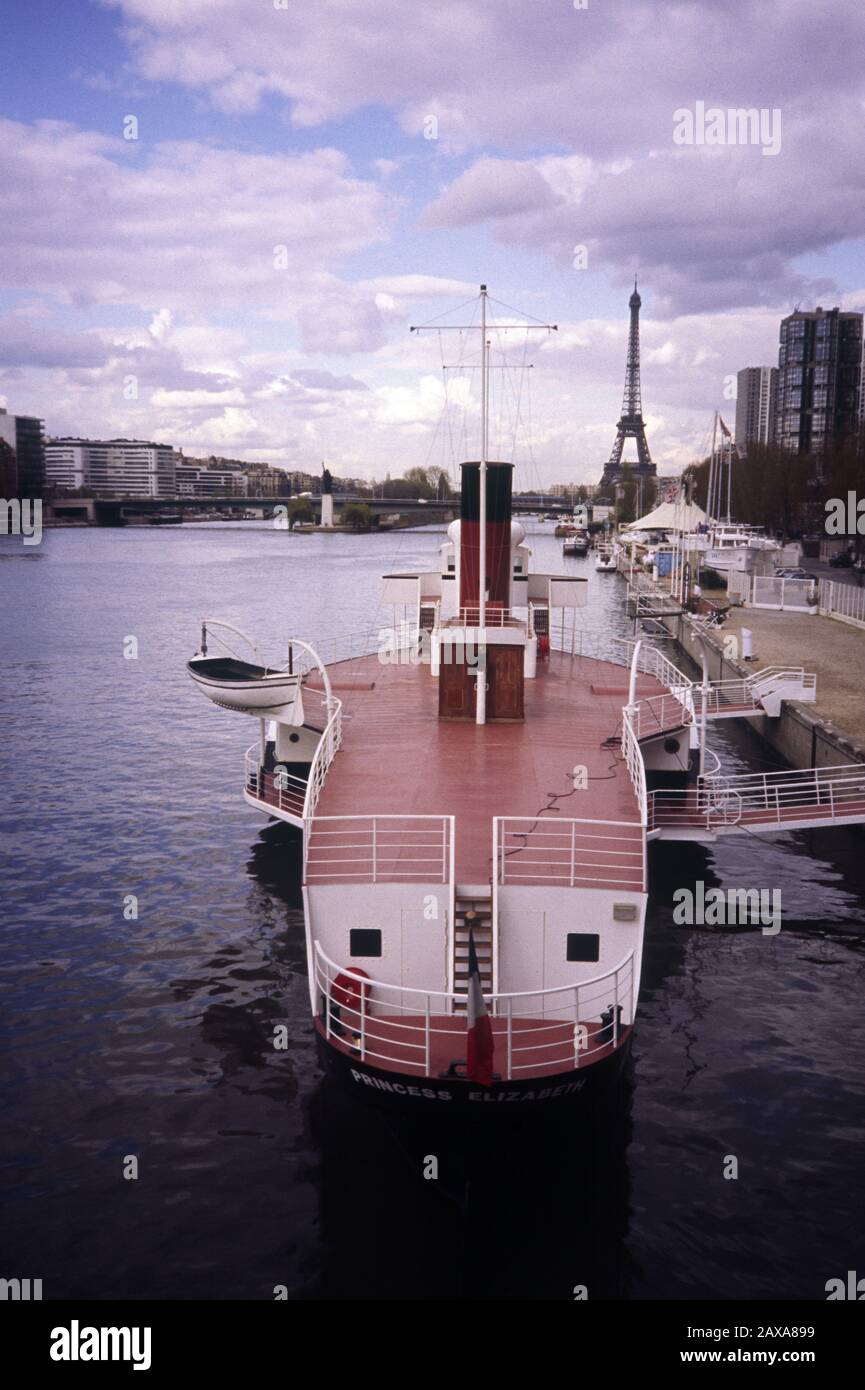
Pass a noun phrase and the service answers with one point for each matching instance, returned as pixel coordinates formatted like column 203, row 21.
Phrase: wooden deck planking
column 399, row 758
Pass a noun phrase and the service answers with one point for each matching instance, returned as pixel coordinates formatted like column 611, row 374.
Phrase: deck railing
column 277, row 788
column 633, row 756
column 619, row 651
column 378, row 849
column 353, row 645
column 532, row 852
column 420, row 1032
column 494, row 616
column 657, row 714
column 763, row 799
column 328, row 747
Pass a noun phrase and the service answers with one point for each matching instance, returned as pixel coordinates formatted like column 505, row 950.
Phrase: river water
column 149, row 1037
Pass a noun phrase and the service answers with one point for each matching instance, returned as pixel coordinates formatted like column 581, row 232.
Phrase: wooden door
column 456, row 690
column 505, row 683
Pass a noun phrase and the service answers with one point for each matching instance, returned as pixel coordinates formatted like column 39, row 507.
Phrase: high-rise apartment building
column 24, row 454
column 112, row 467
column 756, row 393
column 819, row 380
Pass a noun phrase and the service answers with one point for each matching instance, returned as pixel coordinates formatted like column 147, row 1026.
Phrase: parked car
column 796, row 572
column 842, row 561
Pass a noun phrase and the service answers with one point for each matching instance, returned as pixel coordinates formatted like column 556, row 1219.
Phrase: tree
column 357, row 515
column 770, row 487
column 626, row 499
column 299, row 509
column 419, row 479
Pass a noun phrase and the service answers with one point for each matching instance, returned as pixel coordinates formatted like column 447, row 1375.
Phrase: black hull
column 452, row 1095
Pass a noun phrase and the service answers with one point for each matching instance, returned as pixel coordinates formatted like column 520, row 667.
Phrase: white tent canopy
column 670, row 516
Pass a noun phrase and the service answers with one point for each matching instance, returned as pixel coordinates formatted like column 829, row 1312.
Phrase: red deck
column 399, row 758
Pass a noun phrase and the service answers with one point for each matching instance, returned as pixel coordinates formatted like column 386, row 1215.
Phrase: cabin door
column 504, row 682
column 457, row 690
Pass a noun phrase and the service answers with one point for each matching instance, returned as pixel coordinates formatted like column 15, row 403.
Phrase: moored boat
column 576, row 544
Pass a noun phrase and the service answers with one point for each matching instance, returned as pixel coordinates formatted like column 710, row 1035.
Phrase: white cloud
column 182, row 223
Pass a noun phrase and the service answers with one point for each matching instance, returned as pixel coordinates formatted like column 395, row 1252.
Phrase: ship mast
column 481, row 696
column 480, row 702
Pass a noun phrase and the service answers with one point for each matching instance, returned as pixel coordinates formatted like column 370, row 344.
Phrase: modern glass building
column 819, row 380
column 24, row 454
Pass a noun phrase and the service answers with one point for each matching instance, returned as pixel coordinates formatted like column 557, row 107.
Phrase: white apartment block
column 112, row 467
column 756, row 389
column 209, row 482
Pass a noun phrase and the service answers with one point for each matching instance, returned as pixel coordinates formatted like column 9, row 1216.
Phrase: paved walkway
column 836, row 651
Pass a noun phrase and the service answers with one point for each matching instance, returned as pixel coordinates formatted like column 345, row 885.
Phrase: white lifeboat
column 246, row 686
column 250, row 689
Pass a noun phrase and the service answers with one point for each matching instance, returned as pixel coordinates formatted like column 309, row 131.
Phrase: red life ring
column 350, row 990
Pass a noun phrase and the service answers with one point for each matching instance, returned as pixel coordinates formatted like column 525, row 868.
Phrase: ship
column 476, row 784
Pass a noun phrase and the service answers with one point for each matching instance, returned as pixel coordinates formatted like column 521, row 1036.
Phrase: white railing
column 378, row 849
column 767, row 591
column 842, row 601
column 327, row 749
column 351, row 646
column 656, row 714
column 827, row 791
column 531, row 851
column 774, row 678
column 748, row 691
column 761, row 799
column 535, row 1033
column 634, row 761
column 278, row 788
column 494, row 616
column 600, row 646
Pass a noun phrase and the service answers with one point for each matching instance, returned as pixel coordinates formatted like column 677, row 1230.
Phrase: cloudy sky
column 307, row 178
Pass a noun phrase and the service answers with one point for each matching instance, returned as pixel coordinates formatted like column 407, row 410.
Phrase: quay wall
column 799, row 735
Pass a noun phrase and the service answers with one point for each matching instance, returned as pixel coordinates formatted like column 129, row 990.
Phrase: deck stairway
column 759, row 801
column 477, row 899
column 761, row 693
column 745, row 697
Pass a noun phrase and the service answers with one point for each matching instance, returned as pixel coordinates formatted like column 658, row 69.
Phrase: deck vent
column 624, row 912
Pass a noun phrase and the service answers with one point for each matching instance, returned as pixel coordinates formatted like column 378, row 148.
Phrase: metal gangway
column 722, row 804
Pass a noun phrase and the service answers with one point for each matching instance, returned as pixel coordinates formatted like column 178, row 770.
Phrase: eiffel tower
column 631, row 423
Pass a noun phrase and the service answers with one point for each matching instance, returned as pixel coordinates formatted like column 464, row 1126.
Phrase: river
column 149, row 1036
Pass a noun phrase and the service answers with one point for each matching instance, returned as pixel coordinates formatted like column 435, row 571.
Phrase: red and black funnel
column 498, row 523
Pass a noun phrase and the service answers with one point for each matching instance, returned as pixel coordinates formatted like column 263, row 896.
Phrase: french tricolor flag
column 479, row 1046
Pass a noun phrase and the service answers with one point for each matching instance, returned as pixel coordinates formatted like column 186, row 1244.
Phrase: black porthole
column 294, row 738
column 364, row 941
column 671, row 745
column 584, row 946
